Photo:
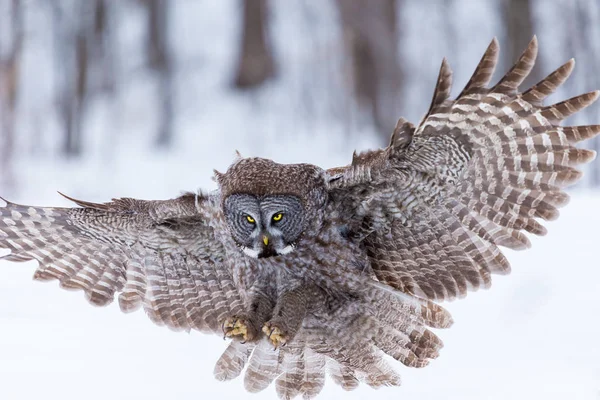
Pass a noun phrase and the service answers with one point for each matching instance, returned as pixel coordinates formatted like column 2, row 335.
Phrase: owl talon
column 275, row 335
column 234, row 327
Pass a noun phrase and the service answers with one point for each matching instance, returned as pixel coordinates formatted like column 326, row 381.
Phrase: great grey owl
column 314, row 271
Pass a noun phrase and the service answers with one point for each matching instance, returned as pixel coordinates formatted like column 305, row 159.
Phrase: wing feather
column 538, row 92
column 516, row 75
column 484, row 71
column 478, row 173
column 442, row 87
column 156, row 254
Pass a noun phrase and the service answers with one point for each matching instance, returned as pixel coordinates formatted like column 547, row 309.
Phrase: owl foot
column 276, row 335
column 235, row 327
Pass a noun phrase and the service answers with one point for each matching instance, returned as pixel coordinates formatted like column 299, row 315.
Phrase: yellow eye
column 250, row 219
column 277, row 217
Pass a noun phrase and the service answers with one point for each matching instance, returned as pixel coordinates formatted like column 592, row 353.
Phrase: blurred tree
column 255, row 62
column 104, row 47
column 9, row 83
column 87, row 43
column 519, row 22
column 73, row 35
column 450, row 26
column 371, row 39
column 159, row 59
column 580, row 28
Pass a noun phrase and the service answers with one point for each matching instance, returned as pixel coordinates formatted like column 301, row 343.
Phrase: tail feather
column 342, row 375
column 397, row 345
column 350, row 343
column 264, row 367
column 289, row 384
column 359, row 356
column 314, row 373
column 304, row 373
column 233, row 361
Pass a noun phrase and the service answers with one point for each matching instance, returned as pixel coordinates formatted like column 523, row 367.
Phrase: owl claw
column 234, row 327
column 275, row 335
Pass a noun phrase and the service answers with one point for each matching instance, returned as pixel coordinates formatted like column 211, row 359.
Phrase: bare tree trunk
column 159, row 59
column 370, row 35
column 73, row 40
column 519, row 22
column 255, row 63
column 105, row 70
column 9, row 81
column 82, row 51
column 103, row 45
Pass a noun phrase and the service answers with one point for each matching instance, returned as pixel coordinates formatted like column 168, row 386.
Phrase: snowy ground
column 533, row 335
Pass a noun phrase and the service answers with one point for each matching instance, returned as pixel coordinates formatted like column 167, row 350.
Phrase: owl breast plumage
column 315, row 272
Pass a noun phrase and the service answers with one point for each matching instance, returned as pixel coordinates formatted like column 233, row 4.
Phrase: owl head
column 270, row 207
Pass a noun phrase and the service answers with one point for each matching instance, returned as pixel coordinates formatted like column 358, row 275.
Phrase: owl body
column 315, row 272
column 318, row 257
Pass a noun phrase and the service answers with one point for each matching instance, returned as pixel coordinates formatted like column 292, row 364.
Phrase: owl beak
column 267, row 251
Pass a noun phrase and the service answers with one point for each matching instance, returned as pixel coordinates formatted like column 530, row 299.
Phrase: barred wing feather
column 156, row 254
column 477, row 173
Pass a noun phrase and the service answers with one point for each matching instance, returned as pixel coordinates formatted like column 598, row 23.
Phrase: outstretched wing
column 479, row 171
column 160, row 255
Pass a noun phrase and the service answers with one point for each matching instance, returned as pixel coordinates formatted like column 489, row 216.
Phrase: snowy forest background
column 93, row 86
column 143, row 98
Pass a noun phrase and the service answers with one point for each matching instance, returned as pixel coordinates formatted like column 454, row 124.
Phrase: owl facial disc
column 264, row 226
